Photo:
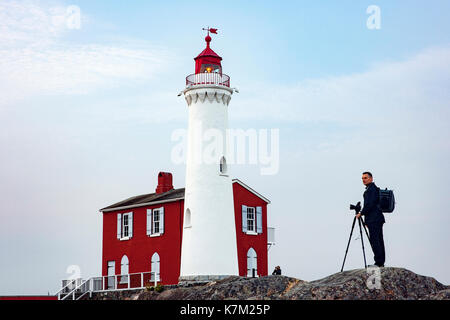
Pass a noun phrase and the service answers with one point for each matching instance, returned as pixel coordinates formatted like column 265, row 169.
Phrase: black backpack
column 387, row 200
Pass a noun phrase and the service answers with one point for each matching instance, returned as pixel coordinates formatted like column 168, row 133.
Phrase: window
column 187, row 218
column 156, row 217
column 111, row 273
column 124, row 269
column 252, row 263
column 124, row 225
column 155, row 222
column 210, row 68
column 252, row 220
column 155, row 267
column 223, row 166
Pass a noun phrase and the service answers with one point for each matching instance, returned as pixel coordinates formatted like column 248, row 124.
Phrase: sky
column 88, row 111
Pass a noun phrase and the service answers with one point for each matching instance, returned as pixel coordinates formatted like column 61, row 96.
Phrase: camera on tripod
column 356, row 207
column 361, row 225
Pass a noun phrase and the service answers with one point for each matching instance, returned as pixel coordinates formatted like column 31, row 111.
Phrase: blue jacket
column 371, row 209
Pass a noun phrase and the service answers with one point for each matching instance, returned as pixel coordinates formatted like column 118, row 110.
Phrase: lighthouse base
column 202, row 278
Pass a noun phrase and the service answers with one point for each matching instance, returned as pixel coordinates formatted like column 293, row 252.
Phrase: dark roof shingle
column 147, row 198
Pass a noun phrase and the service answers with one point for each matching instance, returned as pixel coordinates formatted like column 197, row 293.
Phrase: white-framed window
column 111, row 283
column 124, row 269
column 187, row 218
column 223, row 166
column 252, row 220
column 252, row 263
column 155, row 222
column 155, row 267
column 125, row 226
column 251, row 223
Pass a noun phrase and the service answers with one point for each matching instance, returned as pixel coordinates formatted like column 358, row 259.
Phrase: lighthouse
column 209, row 250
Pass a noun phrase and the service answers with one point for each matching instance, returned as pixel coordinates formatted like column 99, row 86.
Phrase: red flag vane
column 210, row 30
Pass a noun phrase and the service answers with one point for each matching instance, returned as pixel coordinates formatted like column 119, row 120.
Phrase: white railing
column 208, row 78
column 108, row 283
column 68, row 286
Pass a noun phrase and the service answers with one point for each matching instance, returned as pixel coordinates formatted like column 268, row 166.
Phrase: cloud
column 38, row 59
column 386, row 92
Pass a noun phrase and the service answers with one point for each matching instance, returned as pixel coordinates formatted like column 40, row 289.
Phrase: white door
column 111, row 273
column 252, row 263
column 155, row 267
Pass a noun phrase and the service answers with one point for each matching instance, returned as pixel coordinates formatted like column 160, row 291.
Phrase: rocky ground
column 394, row 284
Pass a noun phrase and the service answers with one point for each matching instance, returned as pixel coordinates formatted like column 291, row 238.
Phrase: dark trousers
column 377, row 242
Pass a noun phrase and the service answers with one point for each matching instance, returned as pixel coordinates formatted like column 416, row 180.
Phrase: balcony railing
column 208, row 78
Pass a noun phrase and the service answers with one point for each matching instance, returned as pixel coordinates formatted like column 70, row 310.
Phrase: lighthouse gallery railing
column 208, row 78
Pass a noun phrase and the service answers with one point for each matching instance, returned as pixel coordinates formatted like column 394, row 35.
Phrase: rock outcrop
column 360, row 284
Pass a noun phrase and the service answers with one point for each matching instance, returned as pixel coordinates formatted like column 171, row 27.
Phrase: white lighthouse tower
column 209, row 250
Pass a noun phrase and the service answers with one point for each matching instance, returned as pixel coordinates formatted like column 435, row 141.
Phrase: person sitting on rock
column 277, row 271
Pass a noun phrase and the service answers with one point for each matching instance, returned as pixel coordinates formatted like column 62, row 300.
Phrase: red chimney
column 164, row 182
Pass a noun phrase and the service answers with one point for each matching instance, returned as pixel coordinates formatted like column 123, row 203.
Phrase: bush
column 159, row 288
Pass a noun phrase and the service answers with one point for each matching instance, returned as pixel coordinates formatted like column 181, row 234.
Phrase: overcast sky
column 87, row 116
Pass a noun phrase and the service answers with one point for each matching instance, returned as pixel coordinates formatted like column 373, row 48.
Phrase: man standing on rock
column 374, row 218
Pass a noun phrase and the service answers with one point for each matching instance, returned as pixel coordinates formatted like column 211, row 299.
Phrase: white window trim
column 252, row 232
column 124, row 276
column 155, row 235
column 123, row 227
column 152, row 222
column 152, row 274
column 255, row 261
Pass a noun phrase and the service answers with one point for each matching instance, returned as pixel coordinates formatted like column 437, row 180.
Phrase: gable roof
column 251, row 190
column 169, row 196
column 146, row 199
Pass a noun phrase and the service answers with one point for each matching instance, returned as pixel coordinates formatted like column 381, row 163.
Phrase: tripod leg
column 348, row 244
column 365, row 229
column 362, row 243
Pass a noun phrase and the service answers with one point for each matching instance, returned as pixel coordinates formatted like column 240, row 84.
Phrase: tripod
column 360, row 222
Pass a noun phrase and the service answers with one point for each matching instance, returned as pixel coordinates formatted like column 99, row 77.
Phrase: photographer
column 374, row 218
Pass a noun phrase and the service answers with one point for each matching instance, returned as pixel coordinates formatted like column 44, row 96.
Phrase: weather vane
column 210, row 30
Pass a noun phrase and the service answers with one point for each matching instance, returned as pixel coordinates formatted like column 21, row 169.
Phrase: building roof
column 251, row 190
column 147, row 199
column 208, row 52
column 169, row 196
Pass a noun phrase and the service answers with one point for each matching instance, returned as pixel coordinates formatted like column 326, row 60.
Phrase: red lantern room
column 208, row 61
column 208, row 69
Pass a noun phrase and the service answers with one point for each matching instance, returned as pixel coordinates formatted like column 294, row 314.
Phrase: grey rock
column 395, row 284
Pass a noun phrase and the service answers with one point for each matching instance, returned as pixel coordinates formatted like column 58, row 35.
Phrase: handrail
column 73, row 281
column 88, row 285
column 72, row 293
